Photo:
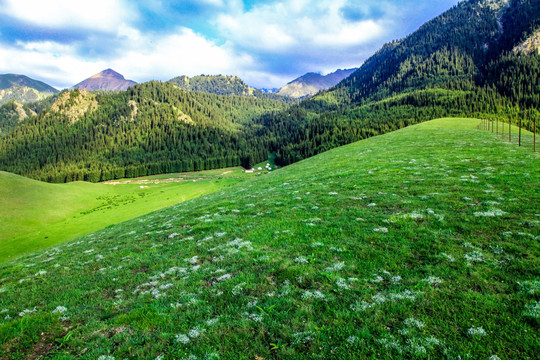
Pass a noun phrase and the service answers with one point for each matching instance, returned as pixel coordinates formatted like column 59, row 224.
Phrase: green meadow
column 418, row 244
column 36, row 215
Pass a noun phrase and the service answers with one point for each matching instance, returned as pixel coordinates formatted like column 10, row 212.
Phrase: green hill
column 36, row 215
column 421, row 243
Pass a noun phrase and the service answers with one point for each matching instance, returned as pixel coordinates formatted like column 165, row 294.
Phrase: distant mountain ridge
column 10, row 80
column 223, row 85
column 311, row 83
column 23, row 89
column 105, row 80
column 214, row 84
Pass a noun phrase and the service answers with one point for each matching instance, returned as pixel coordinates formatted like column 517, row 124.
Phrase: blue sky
column 266, row 43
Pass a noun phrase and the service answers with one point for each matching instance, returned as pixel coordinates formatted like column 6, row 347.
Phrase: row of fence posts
column 493, row 126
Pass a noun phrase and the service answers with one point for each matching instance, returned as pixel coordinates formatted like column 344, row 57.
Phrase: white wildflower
column 238, row 288
column 303, row 337
column 252, row 303
column 490, row 213
column 301, row 260
column 254, row 317
column 351, row 339
column 476, row 331
column 474, row 256
column 381, row 229
column 533, row 310
column 433, row 280
column 371, row 205
column 27, row 311
column 361, row 306
column 341, row 283
column 182, row 338
column 106, row 357
column 60, row 309
column 195, row 332
column 431, row 341
column 224, row 277
column 336, row 267
column 412, row 322
column 448, row 257
column 379, row 298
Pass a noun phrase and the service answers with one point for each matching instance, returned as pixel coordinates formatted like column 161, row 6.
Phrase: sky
column 267, row 43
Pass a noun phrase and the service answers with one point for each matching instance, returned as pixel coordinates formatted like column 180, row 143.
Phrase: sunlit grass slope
column 423, row 243
column 35, row 214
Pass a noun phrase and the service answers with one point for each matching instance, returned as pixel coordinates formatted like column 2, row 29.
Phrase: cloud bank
column 267, row 43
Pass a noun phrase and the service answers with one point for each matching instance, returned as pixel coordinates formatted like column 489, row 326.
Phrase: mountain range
column 311, row 83
column 476, row 59
column 23, row 89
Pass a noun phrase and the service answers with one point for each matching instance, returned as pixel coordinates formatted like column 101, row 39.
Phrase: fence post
column 510, row 129
column 519, row 131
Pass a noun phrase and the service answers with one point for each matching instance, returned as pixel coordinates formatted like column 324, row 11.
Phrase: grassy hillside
column 422, row 243
column 35, row 214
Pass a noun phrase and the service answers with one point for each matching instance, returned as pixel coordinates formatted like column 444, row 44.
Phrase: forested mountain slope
column 460, row 63
column 223, row 85
column 150, row 128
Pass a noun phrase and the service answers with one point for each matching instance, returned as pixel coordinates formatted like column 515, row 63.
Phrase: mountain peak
column 311, row 83
column 107, row 79
column 108, row 73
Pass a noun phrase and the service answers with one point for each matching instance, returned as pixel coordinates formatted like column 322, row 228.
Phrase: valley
column 38, row 215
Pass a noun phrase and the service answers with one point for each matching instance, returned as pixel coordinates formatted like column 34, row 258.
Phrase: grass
column 37, row 215
column 419, row 244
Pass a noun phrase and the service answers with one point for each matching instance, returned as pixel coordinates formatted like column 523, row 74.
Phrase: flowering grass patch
column 290, row 265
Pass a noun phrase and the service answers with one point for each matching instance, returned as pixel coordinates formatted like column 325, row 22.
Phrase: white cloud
column 266, row 44
column 142, row 57
column 298, row 24
column 102, row 15
column 181, row 53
